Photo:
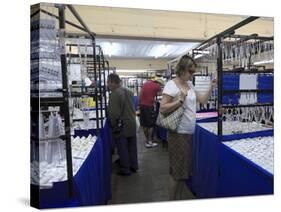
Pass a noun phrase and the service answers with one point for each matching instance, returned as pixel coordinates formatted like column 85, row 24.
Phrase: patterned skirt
column 180, row 155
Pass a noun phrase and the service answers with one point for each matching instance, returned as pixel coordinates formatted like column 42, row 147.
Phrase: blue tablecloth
column 89, row 181
column 92, row 183
column 239, row 176
column 205, row 162
column 84, row 133
column 219, row 171
column 161, row 133
column 136, row 102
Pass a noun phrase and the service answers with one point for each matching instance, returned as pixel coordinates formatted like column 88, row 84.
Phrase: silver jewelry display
column 259, row 150
column 56, row 170
column 234, row 127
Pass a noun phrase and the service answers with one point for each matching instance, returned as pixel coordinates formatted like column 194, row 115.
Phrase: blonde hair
column 185, row 63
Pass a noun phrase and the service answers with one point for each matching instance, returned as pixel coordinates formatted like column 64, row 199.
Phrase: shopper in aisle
column 147, row 107
column 122, row 118
column 180, row 92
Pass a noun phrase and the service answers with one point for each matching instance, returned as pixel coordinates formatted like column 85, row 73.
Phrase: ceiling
column 157, row 24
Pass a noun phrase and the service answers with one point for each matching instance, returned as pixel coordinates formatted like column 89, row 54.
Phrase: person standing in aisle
column 147, row 105
column 180, row 92
column 122, row 118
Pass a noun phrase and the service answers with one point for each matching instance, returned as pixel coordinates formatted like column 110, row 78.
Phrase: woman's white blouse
column 187, row 124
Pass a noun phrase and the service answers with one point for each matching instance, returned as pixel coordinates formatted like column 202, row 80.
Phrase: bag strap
column 177, row 85
column 179, row 93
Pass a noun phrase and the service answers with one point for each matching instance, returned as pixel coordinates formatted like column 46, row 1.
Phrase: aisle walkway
column 150, row 183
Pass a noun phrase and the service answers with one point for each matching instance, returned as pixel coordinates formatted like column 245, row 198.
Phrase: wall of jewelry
column 88, row 83
column 247, row 79
column 45, row 56
column 78, row 82
column 133, row 83
column 247, row 96
column 247, row 88
column 50, row 121
column 205, row 73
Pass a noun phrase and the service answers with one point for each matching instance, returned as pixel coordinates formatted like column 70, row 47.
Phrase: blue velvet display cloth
column 205, row 161
column 92, row 183
column 238, row 176
column 219, row 171
column 212, row 119
column 265, row 82
column 136, row 102
column 84, row 133
column 232, row 99
column 231, row 82
column 161, row 133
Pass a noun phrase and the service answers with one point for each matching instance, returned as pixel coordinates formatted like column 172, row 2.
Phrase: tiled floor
column 150, row 183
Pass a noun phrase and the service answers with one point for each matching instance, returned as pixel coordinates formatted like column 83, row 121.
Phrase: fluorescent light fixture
column 128, row 76
column 202, row 53
column 263, row 62
column 198, row 56
column 159, row 50
column 131, row 70
column 111, row 48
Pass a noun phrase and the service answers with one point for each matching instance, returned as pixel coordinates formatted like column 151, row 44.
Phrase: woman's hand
column 214, row 83
column 183, row 94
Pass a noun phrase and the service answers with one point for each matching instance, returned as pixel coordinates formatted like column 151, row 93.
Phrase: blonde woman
column 180, row 92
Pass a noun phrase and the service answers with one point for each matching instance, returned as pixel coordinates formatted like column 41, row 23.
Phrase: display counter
column 219, row 171
column 92, row 182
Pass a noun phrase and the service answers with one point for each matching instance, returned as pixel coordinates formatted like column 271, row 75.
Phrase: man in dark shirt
column 149, row 91
column 121, row 107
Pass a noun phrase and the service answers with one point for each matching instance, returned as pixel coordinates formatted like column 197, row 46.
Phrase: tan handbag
column 171, row 120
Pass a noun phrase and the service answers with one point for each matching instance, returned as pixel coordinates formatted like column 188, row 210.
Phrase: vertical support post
column 137, row 84
column 220, row 83
column 100, row 89
column 103, row 87
column 96, row 81
column 61, row 9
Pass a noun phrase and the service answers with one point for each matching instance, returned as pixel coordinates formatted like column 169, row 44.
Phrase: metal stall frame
column 37, row 102
column 230, row 32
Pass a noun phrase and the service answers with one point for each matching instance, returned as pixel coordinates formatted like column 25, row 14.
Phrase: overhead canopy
column 126, row 33
column 159, row 24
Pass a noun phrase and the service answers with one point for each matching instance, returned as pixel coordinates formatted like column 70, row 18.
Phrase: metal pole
column 96, row 80
column 103, row 87
column 66, row 100
column 220, row 83
column 68, row 22
column 99, row 77
column 77, row 16
column 230, row 30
